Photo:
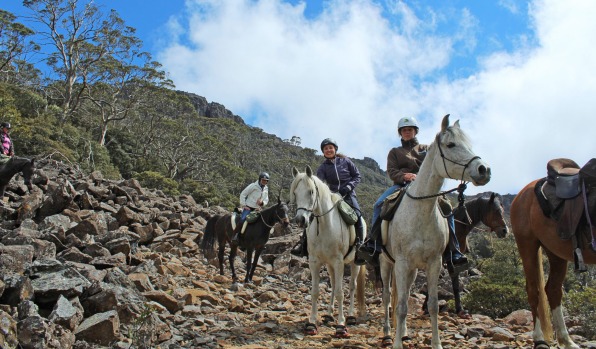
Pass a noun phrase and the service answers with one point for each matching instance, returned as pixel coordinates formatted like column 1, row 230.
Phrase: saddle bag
column 390, row 204
column 567, row 187
column 252, row 216
column 588, row 173
column 347, row 212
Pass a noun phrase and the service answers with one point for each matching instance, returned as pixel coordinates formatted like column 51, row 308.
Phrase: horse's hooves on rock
column 328, row 319
column 406, row 338
column 386, row 342
column 341, row 331
column 541, row 345
column 310, row 329
column 463, row 314
column 351, row 320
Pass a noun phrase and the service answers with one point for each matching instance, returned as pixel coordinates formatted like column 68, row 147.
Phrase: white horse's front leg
column 354, row 271
column 563, row 337
column 386, row 269
column 404, row 277
column 432, row 279
column 315, row 268
column 336, row 284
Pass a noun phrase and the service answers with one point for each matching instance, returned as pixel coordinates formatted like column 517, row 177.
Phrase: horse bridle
column 279, row 219
column 460, row 188
column 465, row 166
column 311, row 211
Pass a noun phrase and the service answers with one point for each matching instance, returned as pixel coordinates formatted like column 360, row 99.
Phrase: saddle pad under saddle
column 391, row 203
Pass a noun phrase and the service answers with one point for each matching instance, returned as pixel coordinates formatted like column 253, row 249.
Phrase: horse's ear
column 456, row 124
column 445, row 123
column 308, row 171
column 279, row 200
column 294, row 171
column 492, row 197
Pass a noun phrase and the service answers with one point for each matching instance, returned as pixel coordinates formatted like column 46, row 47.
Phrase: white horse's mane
column 316, row 183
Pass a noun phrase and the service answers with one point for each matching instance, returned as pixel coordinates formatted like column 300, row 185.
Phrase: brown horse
column 13, row 166
column 253, row 239
column 483, row 209
column 533, row 230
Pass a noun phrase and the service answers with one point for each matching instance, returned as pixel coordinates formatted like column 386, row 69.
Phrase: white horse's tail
column 394, row 296
column 360, row 291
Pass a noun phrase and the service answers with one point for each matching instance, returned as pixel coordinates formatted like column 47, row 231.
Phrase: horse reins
column 266, row 224
column 460, row 188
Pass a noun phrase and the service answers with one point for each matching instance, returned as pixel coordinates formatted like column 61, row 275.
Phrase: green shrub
column 156, row 180
column 582, row 303
column 501, row 289
column 495, row 300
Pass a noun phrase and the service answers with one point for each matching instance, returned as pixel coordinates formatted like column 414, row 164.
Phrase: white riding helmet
column 407, row 122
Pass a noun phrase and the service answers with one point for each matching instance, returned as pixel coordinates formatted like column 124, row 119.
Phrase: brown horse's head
column 281, row 212
column 494, row 216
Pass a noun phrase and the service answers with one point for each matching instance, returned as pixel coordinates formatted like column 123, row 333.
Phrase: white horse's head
column 304, row 194
column 458, row 161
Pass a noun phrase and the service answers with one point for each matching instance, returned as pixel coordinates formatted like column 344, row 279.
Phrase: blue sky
column 519, row 75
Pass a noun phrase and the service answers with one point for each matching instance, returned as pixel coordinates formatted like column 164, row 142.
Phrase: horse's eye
column 450, row 145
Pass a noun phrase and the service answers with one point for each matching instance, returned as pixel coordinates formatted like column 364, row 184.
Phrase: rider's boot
column 300, row 250
column 358, row 260
column 237, row 231
column 458, row 258
column 370, row 249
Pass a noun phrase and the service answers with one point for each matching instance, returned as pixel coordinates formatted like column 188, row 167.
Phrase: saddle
column 568, row 195
column 250, row 218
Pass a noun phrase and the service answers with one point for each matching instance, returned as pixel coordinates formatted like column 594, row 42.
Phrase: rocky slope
column 91, row 263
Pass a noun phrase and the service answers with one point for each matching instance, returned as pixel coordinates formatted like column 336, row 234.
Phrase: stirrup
column 579, row 264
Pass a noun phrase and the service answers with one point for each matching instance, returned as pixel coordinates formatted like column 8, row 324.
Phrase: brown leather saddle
column 568, row 195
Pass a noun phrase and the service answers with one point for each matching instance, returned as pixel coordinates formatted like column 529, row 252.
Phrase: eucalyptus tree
column 92, row 56
column 15, row 45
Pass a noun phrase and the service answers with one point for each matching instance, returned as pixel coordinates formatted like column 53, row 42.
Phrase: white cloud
column 350, row 73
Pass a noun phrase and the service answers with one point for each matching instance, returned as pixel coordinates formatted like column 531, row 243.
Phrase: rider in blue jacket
column 342, row 176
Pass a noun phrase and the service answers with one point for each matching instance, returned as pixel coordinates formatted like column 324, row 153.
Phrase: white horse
column 330, row 243
column 418, row 234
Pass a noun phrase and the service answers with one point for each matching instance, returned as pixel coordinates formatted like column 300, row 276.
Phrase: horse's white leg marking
column 315, row 268
column 537, row 335
column 561, row 330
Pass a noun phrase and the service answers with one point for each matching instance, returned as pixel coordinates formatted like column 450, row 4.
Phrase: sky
column 520, row 76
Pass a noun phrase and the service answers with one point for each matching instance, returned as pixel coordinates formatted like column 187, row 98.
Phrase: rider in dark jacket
column 342, row 176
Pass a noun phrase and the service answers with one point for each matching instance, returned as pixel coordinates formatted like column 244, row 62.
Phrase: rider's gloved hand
column 345, row 190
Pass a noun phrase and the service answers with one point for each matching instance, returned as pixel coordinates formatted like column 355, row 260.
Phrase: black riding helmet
column 5, row 124
column 328, row 141
column 263, row 175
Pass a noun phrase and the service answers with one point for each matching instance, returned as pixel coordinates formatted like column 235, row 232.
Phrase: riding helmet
column 407, row 122
column 328, row 141
column 264, row 175
column 5, row 124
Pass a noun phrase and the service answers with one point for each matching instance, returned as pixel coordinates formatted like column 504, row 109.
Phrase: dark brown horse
column 253, row 239
column 14, row 166
column 483, row 209
column 533, row 230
